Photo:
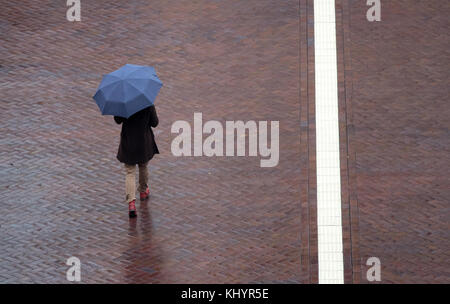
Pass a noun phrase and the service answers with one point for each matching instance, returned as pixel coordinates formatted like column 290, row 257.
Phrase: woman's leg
column 130, row 182
column 143, row 177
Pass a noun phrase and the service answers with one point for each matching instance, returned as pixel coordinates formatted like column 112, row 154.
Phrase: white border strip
column 331, row 265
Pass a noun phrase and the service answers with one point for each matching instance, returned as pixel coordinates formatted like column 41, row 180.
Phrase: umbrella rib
column 142, row 92
column 110, row 84
column 154, row 79
column 139, row 90
column 138, row 69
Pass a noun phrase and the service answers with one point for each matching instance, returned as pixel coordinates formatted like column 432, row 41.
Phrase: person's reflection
column 143, row 256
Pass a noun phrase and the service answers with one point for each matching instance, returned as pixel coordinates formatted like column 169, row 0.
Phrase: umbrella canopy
column 127, row 90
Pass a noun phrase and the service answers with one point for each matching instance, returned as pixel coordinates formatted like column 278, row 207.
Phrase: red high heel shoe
column 145, row 195
column 132, row 209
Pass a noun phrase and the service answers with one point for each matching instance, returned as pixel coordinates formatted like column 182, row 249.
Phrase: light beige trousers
column 130, row 180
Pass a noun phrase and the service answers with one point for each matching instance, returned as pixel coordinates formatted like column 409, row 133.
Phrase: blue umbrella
column 127, row 90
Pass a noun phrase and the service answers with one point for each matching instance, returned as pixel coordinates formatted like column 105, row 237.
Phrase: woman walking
column 137, row 147
column 129, row 95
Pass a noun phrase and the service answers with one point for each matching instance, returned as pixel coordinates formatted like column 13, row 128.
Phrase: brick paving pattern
column 307, row 155
column 222, row 219
column 396, row 91
column 218, row 220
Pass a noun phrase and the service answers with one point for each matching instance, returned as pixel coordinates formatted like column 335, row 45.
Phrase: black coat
column 137, row 142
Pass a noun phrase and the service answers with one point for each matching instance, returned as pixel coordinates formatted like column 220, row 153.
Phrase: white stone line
column 331, row 265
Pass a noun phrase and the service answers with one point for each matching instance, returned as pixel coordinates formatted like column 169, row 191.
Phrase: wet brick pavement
column 218, row 220
column 223, row 219
column 397, row 94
